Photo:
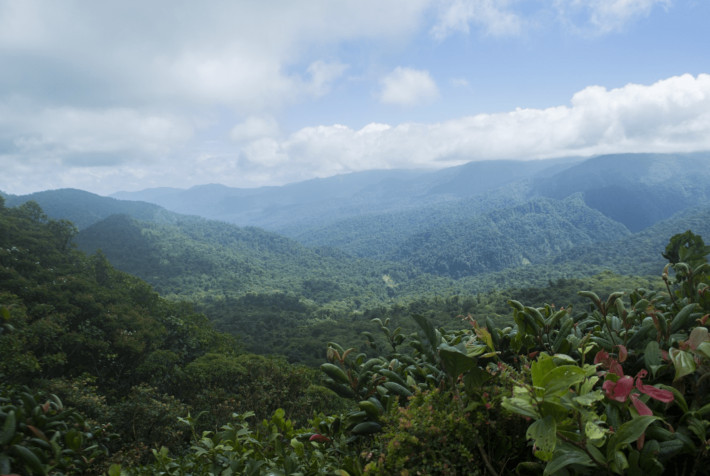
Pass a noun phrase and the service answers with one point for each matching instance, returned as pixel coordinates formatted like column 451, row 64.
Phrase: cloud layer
column 132, row 94
column 672, row 115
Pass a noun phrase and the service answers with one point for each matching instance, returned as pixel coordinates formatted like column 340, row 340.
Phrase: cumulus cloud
column 233, row 53
column 130, row 94
column 672, row 115
column 83, row 85
column 408, row 87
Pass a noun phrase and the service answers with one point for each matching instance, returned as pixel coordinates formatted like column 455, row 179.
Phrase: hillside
column 474, row 236
column 639, row 253
column 637, row 190
column 84, row 208
column 525, row 234
column 194, row 257
column 319, row 202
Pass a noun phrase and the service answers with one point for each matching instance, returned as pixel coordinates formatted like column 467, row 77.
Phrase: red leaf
column 618, row 391
column 602, row 357
column 641, row 407
column 319, row 438
column 659, row 394
column 623, row 353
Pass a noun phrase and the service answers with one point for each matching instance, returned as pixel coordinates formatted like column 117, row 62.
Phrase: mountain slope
column 639, row 253
column 194, row 258
column 85, row 208
column 318, row 202
column 525, row 234
column 637, row 190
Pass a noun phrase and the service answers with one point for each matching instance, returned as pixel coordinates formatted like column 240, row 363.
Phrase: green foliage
column 435, row 434
column 120, row 355
column 38, row 435
column 617, row 385
column 586, row 424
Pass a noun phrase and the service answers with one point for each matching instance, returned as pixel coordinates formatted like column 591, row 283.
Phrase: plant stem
column 487, row 461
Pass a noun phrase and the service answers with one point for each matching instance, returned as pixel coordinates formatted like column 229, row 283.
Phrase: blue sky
column 127, row 95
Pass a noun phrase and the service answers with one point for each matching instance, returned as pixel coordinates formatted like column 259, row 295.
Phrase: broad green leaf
column 652, row 357
column 520, row 403
column 475, row 350
column 429, row 332
column 485, row 336
column 567, row 455
column 455, row 360
column 590, row 398
column 627, row 433
column 680, row 320
column 697, row 337
column 559, row 380
column 682, row 361
column 563, row 359
column 588, row 384
column 678, row 399
column 704, row 349
column 541, row 367
column 594, row 431
column 475, row 378
column 544, row 434
column 618, row 462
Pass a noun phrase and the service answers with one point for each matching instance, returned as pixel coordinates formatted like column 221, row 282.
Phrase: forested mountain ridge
column 194, row 257
column 85, row 208
column 634, row 189
column 637, row 190
column 529, row 233
column 320, row 201
column 468, row 238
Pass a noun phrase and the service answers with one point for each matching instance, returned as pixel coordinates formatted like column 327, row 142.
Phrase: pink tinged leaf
column 615, row 368
column 319, row 438
column 659, row 394
column 641, row 441
column 619, row 390
column 623, row 353
column 602, row 357
column 640, row 407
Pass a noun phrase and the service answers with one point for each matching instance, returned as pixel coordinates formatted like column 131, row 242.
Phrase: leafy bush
column 39, row 436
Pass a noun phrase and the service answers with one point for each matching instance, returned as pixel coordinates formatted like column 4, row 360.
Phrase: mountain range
column 379, row 234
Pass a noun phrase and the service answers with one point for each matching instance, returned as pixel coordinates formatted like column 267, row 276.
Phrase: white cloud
column 501, row 18
column 605, row 16
column 495, row 17
column 407, row 87
column 245, row 55
column 323, row 74
column 68, row 131
column 254, row 127
column 672, row 115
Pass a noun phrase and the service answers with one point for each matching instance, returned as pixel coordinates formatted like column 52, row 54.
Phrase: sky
column 133, row 94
